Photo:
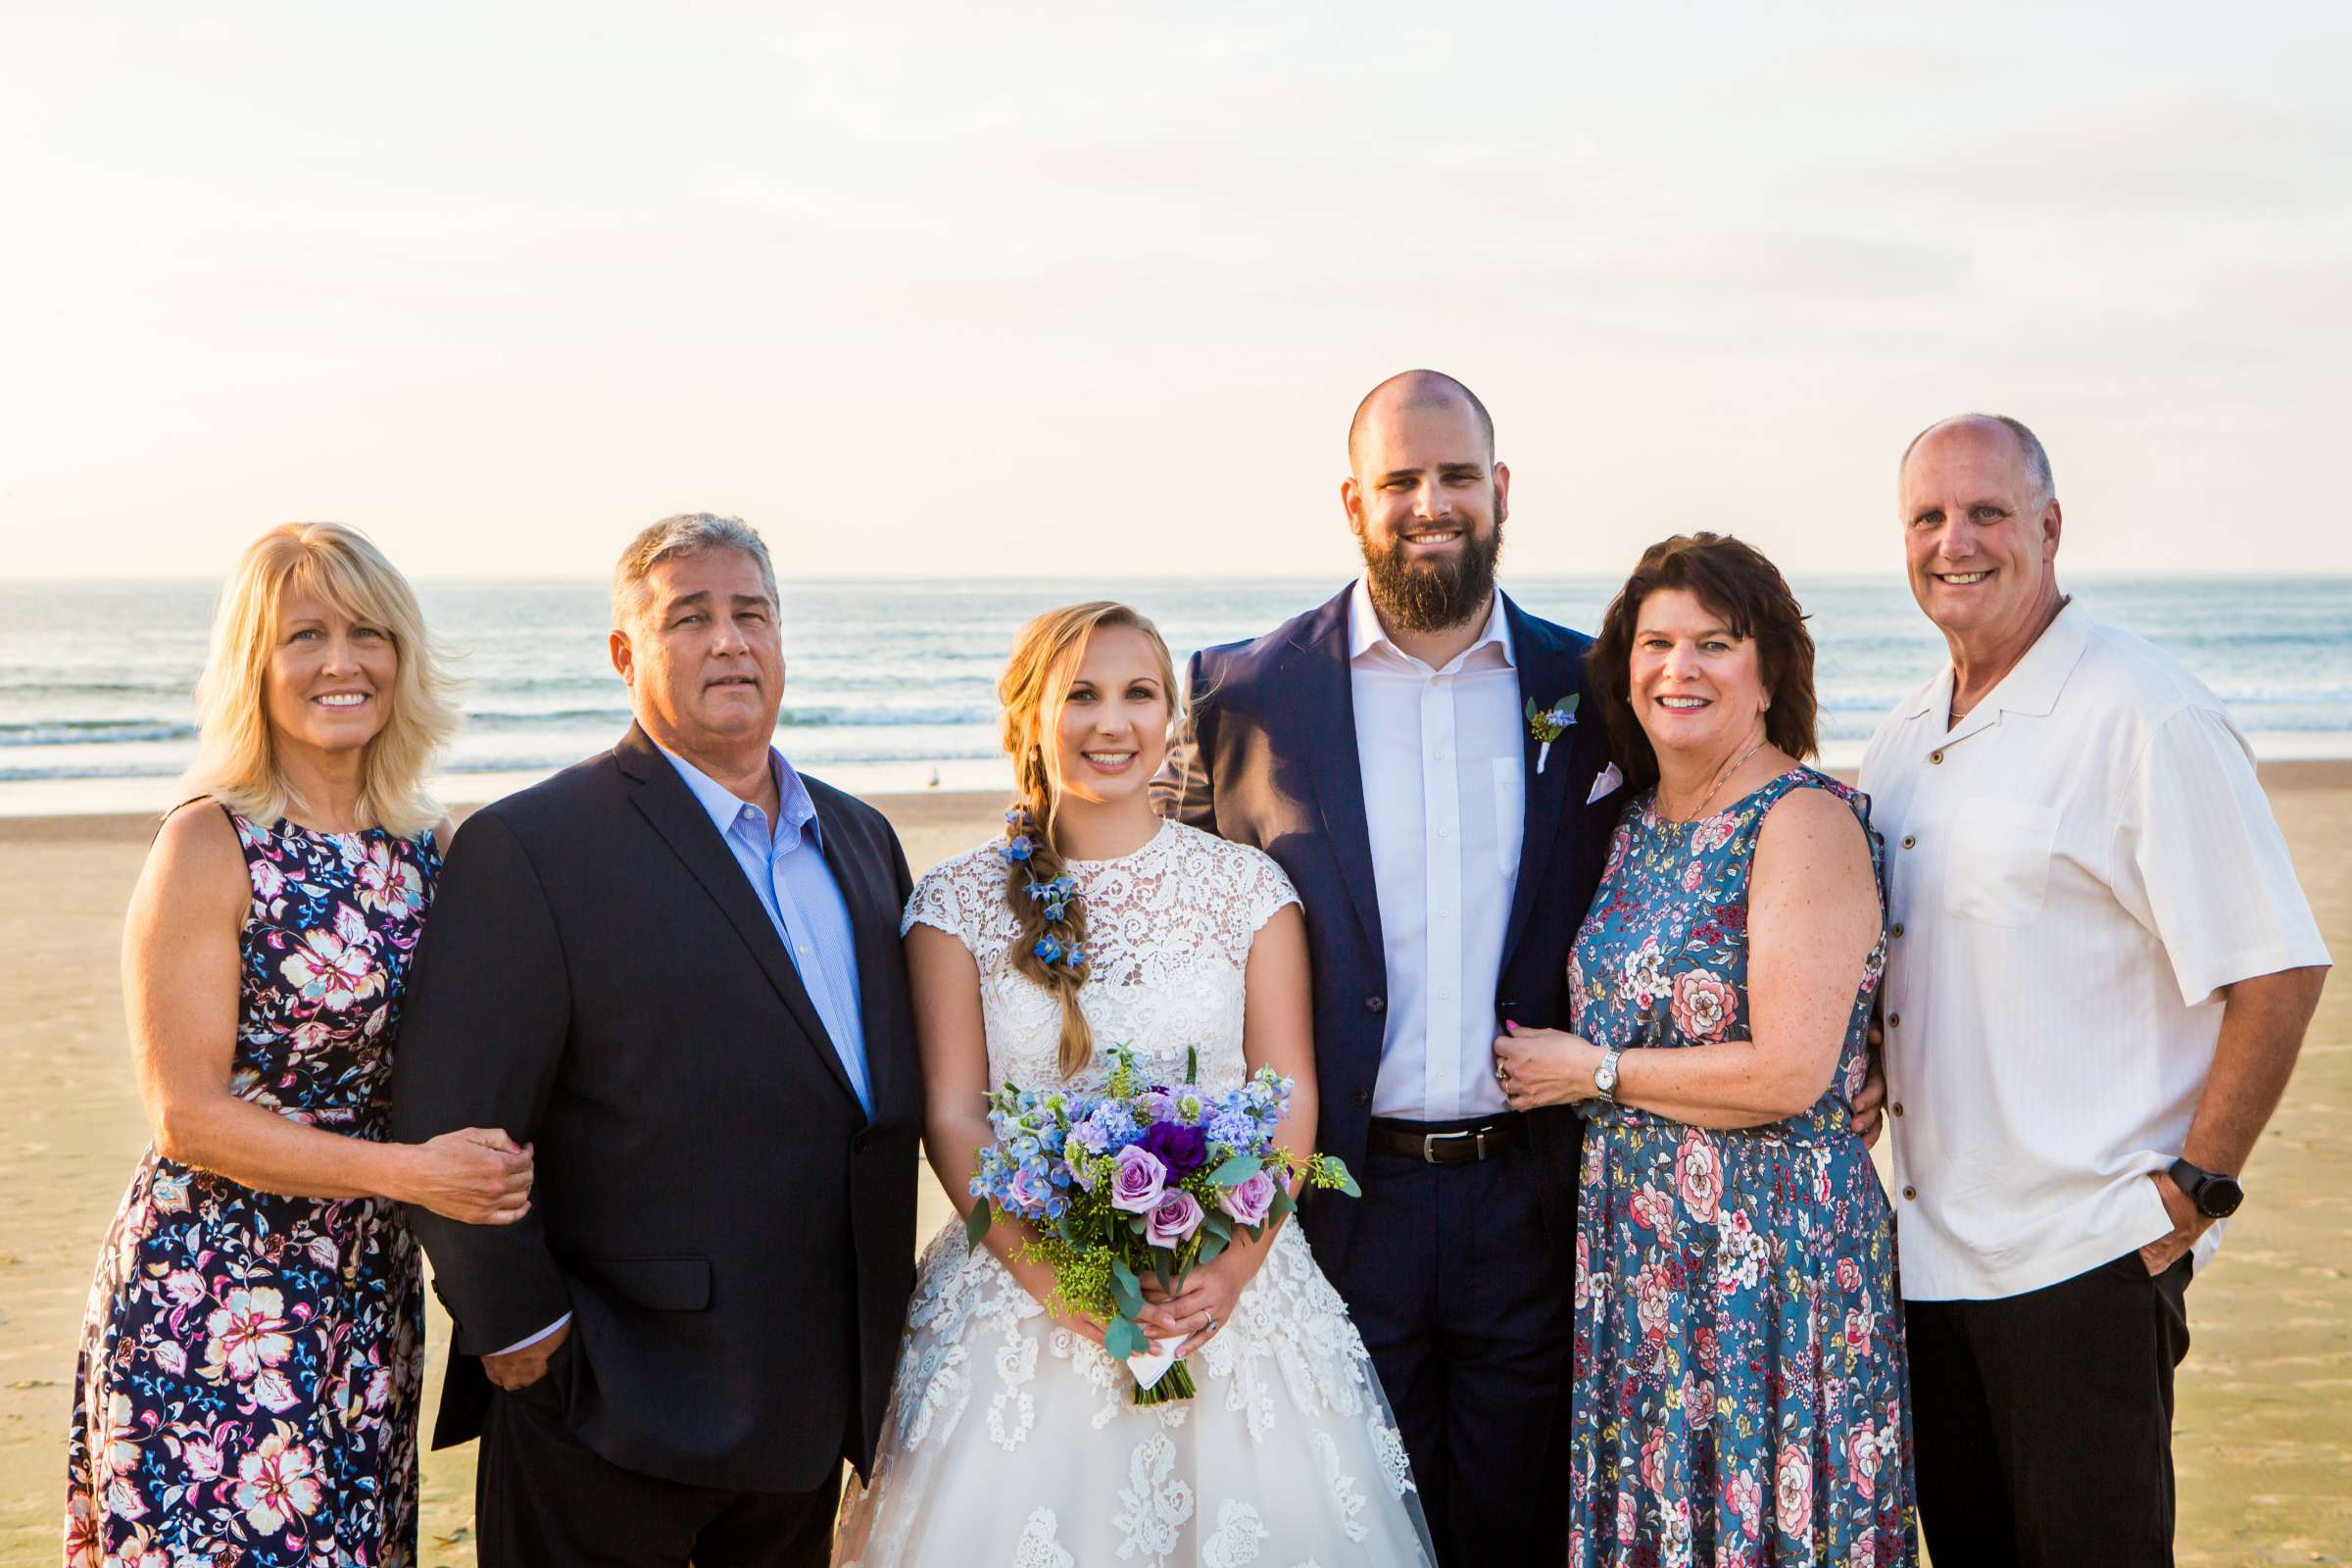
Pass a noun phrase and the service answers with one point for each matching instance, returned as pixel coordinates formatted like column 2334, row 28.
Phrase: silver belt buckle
column 1430, row 1141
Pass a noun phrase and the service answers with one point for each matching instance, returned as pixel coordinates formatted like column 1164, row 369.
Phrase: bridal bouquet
column 1139, row 1181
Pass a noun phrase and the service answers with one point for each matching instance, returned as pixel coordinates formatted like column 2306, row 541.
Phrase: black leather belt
column 1448, row 1143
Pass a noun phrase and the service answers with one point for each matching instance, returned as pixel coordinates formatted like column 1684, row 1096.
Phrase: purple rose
column 1248, row 1201
column 1177, row 1217
column 1028, row 1190
column 1180, row 1147
column 1137, row 1184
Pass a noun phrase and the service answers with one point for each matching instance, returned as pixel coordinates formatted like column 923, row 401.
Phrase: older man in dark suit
column 675, row 969
column 1446, row 844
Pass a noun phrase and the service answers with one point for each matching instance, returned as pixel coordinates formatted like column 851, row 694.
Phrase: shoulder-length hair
column 236, row 761
column 1736, row 582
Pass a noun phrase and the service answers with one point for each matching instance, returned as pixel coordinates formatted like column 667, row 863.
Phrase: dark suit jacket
column 1270, row 759
column 734, row 1239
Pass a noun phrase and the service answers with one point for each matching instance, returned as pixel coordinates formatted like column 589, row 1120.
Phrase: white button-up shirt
column 2075, row 870
column 1445, row 800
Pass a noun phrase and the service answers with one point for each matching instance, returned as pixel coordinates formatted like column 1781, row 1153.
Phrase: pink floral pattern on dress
column 1740, row 1394
column 251, row 1362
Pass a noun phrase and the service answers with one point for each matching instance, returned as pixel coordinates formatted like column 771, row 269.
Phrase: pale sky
column 952, row 288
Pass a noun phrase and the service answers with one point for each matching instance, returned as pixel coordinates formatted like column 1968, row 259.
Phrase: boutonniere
column 1551, row 724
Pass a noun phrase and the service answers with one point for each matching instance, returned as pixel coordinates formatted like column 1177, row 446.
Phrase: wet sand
column 2264, row 1442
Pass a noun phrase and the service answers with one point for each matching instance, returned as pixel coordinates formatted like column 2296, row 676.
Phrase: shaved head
column 1416, row 389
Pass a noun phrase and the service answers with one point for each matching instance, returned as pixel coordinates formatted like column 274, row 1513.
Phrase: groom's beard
column 1431, row 596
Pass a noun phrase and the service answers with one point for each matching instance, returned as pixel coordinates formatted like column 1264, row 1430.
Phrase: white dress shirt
column 2075, row 870
column 1445, row 799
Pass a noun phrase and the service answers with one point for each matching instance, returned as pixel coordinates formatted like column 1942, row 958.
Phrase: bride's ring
column 1502, row 1074
column 1212, row 1323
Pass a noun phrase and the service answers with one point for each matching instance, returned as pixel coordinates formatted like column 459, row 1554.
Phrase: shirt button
column 1911, row 1194
column 1438, row 755
column 1444, row 995
column 1910, row 841
column 1896, row 1107
column 1894, row 1021
column 1445, row 832
column 1936, row 756
column 1374, row 1003
column 1897, row 929
column 1444, row 914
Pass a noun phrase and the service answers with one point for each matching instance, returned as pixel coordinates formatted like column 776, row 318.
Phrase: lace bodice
column 1169, row 930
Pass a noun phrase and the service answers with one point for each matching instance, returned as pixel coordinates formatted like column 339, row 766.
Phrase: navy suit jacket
column 732, row 1234
column 1268, row 756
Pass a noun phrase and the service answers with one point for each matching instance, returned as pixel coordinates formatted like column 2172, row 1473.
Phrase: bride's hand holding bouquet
column 1143, row 1187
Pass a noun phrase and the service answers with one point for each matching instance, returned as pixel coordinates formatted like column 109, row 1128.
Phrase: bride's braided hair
column 1050, row 948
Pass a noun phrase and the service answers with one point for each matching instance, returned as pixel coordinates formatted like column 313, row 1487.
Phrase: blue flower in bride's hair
column 1018, row 816
column 1048, row 950
column 1020, row 849
column 1075, row 957
column 1057, row 913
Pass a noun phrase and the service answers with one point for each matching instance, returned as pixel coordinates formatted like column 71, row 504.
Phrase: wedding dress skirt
column 1012, row 1440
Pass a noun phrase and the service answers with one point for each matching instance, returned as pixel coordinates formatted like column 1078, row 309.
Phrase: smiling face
column 1111, row 730
column 1979, row 537
column 329, row 680
column 1427, row 502
column 1696, row 689
column 703, row 655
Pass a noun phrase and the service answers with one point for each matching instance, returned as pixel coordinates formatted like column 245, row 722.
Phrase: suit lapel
column 1545, row 677
column 874, row 923
column 1326, row 721
column 663, row 798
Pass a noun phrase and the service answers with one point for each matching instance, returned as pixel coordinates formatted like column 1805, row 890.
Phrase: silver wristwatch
column 1604, row 1076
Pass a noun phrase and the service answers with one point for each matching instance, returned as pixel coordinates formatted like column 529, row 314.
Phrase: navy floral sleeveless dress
column 1741, row 1393
column 251, row 1362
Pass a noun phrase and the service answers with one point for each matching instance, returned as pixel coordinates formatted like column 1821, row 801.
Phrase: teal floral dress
column 1740, row 1396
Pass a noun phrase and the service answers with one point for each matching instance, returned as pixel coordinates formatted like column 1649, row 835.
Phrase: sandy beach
column 2264, row 1440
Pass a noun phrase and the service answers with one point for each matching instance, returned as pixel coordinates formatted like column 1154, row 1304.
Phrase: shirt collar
column 795, row 808
column 2032, row 685
column 1365, row 632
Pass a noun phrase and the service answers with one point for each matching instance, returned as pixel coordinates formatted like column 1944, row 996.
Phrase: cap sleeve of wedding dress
column 1010, row 1440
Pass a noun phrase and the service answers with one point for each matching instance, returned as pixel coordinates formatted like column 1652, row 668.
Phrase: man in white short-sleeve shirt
column 2100, row 973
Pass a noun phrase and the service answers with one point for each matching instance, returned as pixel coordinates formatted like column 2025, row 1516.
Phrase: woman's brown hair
column 1050, row 944
column 1731, row 581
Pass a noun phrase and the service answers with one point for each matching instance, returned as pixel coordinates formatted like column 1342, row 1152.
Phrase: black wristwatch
column 2215, row 1196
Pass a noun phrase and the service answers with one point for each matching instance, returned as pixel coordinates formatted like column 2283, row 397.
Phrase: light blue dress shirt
column 785, row 867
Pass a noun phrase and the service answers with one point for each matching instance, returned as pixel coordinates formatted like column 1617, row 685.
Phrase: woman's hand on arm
column 1536, row 1067
column 954, row 1040
column 181, row 964
column 1277, row 1031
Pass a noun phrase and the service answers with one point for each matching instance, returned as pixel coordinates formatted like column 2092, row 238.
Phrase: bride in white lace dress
column 1011, row 1440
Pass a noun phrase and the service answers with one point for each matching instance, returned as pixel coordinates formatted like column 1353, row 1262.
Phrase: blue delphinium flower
column 1020, row 849
column 1048, row 950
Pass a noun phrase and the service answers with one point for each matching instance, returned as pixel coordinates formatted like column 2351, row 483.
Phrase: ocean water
column 891, row 684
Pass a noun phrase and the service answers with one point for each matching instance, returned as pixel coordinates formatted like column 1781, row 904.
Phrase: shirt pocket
column 1997, row 867
column 1510, row 798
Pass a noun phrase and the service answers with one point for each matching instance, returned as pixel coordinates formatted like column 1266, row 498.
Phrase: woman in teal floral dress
column 1740, row 1394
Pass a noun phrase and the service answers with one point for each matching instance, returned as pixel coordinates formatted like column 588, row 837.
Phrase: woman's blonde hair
column 236, row 761
column 1036, row 684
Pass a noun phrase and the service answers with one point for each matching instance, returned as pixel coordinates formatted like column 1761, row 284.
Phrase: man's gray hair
column 2037, row 461
column 684, row 535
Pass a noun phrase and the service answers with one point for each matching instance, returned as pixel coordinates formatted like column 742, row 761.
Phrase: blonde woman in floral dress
column 1740, row 1396
column 252, row 1352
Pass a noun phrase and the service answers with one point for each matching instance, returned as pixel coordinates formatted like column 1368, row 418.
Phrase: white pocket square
column 1609, row 780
